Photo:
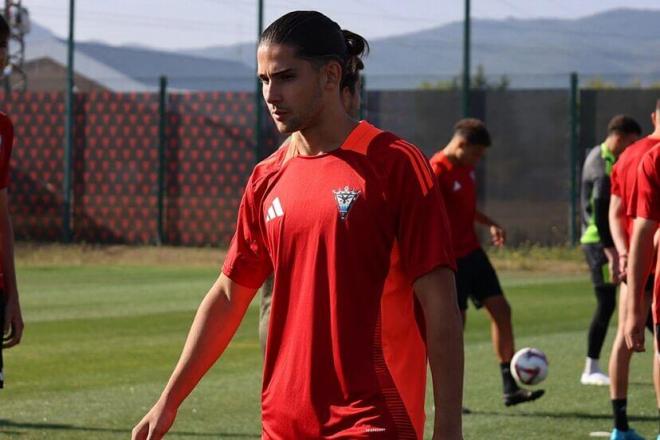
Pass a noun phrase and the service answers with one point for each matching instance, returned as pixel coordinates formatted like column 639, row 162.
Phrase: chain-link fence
column 147, row 170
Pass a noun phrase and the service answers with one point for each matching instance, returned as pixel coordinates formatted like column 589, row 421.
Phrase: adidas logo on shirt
column 457, row 185
column 275, row 210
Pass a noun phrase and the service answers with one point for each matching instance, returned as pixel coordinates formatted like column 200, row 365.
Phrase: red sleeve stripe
column 419, row 164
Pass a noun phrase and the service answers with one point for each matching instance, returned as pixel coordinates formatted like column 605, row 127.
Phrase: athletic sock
column 509, row 383
column 620, row 414
column 659, row 421
column 591, row 366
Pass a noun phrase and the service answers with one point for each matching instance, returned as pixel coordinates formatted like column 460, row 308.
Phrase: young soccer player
column 623, row 178
column 11, row 320
column 476, row 278
column 343, row 217
column 597, row 243
column 645, row 209
column 350, row 98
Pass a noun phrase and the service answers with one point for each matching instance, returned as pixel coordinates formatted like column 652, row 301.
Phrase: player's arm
column 601, row 203
column 639, row 265
column 215, row 323
column 617, row 217
column 13, row 316
column 497, row 233
column 436, row 292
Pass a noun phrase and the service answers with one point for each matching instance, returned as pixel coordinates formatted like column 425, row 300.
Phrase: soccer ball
column 529, row 366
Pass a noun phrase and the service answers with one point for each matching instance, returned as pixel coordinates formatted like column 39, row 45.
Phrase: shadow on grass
column 8, row 424
column 560, row 415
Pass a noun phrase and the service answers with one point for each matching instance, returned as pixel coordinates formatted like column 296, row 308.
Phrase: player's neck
column 323, row 137
column 451, row 153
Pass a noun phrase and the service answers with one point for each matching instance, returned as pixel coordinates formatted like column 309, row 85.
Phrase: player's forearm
column 617, row 225
column 7, row 248
column 639, row 264
column 445, row 345
column 483, row 219
column 444, row 336
column 8, row 268
column 215, row 323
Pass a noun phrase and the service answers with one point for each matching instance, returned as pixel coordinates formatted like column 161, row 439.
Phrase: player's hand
column 613, row 264
column 13, row 331
column 634, row 333
column 155, row 424
column 497, row 235
column 623, row 267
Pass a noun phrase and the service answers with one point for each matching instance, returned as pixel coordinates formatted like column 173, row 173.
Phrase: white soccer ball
column 529, row 366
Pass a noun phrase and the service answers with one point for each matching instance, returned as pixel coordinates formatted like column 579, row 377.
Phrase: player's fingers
column 15, row 335
column 154, row 433
column 140, row 431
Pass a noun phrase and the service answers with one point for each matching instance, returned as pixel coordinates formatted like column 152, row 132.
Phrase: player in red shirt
column 11, row 320
column 476, row 278
column 351, row 100
column 645, row 209
column 624, row 174
column 343, row 217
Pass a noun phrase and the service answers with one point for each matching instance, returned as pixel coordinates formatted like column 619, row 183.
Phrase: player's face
column 622, row 142
column 291, row 87
column 469, row 154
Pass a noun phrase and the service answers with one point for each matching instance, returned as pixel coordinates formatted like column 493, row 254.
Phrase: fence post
column 162, row 158
column 574, row 128
column 67, row 187
column 258, row 103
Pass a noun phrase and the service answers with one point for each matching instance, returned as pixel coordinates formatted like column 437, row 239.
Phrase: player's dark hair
column 624, row 125
column 4, row 29
column 473, row 131
column 657, row 105
column 319, row 40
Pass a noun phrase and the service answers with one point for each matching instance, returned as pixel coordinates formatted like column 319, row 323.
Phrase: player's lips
column 279, row 114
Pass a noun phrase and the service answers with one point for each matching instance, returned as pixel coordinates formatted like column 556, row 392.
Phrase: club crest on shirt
column 345, row 199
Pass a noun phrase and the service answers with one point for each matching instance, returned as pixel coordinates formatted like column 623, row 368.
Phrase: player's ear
column 332, row 75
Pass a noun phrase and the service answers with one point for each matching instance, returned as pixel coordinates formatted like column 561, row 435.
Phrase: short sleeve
column 6, row 145
column 248, row 262
column 645, row 198
column 423, row 228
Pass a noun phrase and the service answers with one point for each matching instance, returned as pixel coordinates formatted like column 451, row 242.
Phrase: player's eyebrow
column 276, row 74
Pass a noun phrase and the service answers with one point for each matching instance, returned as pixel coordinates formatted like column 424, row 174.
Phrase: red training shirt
column 6, row 144
column 458, row 185
column 645, row 203
column 346, row 233
column 624, row 174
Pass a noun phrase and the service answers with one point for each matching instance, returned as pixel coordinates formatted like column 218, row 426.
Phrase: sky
column 179, row 24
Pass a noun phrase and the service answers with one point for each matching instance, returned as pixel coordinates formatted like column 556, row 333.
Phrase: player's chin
column 285, row 128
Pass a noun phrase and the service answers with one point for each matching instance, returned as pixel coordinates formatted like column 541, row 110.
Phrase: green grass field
column 102, row 338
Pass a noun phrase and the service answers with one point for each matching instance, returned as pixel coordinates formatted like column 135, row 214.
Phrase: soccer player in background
column 645, row 209
column 596, row 240
column 343, row 217
column 351, row 100
column 11, row 320
column 623, row 178
column 476, row 278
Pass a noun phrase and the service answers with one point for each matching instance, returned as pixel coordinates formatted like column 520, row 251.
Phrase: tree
column 479, row 81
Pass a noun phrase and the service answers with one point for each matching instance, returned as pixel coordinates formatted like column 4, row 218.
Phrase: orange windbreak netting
column 209, row 155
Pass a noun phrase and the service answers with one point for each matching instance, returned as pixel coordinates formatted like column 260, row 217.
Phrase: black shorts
column 476, row 279
column 597, row 262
